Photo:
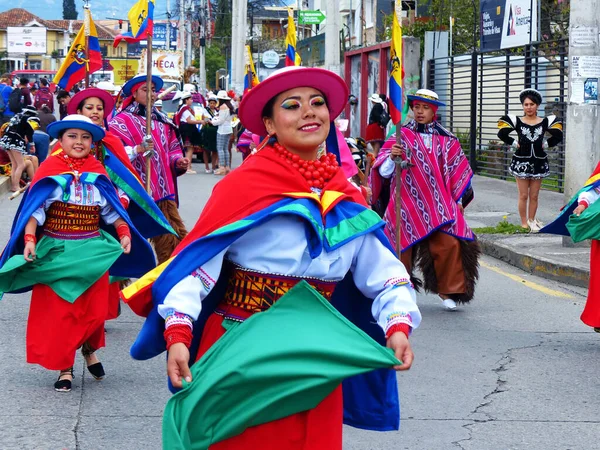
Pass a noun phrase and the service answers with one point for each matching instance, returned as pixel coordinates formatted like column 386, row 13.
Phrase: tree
column 69, row 10
column 214, row 59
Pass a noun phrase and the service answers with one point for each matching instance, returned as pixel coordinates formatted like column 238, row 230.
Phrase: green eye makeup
column 290, row 104
column 317, row 101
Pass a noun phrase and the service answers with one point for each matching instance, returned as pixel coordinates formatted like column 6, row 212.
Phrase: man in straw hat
column 434, row 190
column 167, row 161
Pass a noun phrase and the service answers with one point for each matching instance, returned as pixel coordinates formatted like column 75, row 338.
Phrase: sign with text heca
column 310, row 17
column 26, row 40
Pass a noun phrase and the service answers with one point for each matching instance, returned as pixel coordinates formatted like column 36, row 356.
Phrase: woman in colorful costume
column 167, row 162
column 16, row 135
column 580, row 219
column 434, row 233
column 529, row 164
column 144, row 213
column 68, row 267
column 297, row 218
column 185, row 119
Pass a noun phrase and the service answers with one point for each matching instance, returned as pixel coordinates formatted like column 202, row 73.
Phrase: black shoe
column 97, row 370
column 65, row 384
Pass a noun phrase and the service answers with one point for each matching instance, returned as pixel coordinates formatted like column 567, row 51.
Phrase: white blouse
column 279, row 246
column 80, row 194
column 589, row 196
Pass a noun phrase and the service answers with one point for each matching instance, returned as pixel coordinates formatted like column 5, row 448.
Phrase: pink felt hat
column 106, row 98
column 331, row 85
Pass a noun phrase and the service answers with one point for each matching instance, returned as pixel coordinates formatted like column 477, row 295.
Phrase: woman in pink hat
column 287, row 214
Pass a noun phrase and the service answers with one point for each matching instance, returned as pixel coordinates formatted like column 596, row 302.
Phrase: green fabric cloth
column 587, row 225
column 69, row 267
column 277, row 363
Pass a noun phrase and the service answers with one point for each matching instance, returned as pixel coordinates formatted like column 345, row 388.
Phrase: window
column 368, row 13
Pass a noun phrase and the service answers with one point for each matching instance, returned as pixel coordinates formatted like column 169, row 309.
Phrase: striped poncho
column 430, row 188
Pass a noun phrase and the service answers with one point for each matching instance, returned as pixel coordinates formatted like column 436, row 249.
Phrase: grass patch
column 503, row 227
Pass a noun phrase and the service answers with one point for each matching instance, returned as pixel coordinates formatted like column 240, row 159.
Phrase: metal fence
column 480, row 88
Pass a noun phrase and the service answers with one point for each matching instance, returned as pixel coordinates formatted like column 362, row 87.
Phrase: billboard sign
column 164, row 64
column 507, row 23
column 159, row 38
column 31, row 40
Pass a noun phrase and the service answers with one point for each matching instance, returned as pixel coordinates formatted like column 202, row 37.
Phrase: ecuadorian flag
column 292, row 58
column 141, row 21
column 250, row 79
column 397, row 74
column 73, row 68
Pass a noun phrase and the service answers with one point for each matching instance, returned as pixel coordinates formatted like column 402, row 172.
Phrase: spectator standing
column 224, row 132
column 186, row 121
column 209, row 135
column 63, row 99
column 529, row 164
column 43, row 96
column 41, row 138
column 375, row 134
column 5, row 89
column 26, row 98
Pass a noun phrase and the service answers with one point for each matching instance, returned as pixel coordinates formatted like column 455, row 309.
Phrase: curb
column 535, row 265
column 4, row 184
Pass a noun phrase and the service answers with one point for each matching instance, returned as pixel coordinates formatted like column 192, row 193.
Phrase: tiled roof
column 18, row 17
column 104, row 33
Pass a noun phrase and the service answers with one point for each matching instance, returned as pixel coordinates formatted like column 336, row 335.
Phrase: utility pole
column 332, row 35
column 168, row 36
column 235, row 27
column 182, row 29
column 203, row 23
column 241, row 49
column 582, row 143
column 190, row 30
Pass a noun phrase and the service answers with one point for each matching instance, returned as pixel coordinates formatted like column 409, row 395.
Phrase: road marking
column 524, row 282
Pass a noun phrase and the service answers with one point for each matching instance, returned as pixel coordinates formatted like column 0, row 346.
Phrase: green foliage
column 503, row 227
column 69, row 10
column 214, row 60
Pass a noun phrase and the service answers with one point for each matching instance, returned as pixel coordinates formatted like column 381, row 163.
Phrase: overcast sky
column 101, row 9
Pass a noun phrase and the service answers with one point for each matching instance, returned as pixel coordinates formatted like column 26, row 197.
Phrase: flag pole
column 86, row 24
column 149, row 90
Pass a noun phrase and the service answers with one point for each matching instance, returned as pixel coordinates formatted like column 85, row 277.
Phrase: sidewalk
column 539, row 254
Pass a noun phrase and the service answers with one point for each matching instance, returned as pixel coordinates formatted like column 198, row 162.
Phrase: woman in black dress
column 530, row 162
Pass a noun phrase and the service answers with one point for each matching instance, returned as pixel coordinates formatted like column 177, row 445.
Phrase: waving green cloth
column 69, row 267
column 587, row 225
column 277, row 363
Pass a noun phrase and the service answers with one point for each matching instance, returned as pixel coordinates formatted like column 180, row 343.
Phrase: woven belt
column 256, row 292
column 69, row 221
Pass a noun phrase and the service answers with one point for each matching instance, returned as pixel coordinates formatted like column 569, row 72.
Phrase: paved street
column 515, row 370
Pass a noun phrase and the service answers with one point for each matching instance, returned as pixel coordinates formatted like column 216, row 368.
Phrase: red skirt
column 375, row 133
column 317, row 429
column 57, row 328
column 114, row 299
column 591, row 312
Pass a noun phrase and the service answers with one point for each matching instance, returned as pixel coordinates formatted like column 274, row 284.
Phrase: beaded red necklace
column 317, row 172
column 75, row 164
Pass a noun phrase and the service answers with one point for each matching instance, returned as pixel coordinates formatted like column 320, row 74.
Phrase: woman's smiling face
column 300, row 120
column 94, row 109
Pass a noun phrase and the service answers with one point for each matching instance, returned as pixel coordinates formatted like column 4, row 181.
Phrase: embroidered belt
column 256, row 292
column 69, row 221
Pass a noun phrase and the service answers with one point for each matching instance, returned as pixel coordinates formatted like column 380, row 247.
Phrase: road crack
column 79, row 411
column 502, row 366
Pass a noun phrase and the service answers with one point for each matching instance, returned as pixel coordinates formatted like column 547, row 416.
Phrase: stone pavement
column 540, row 254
